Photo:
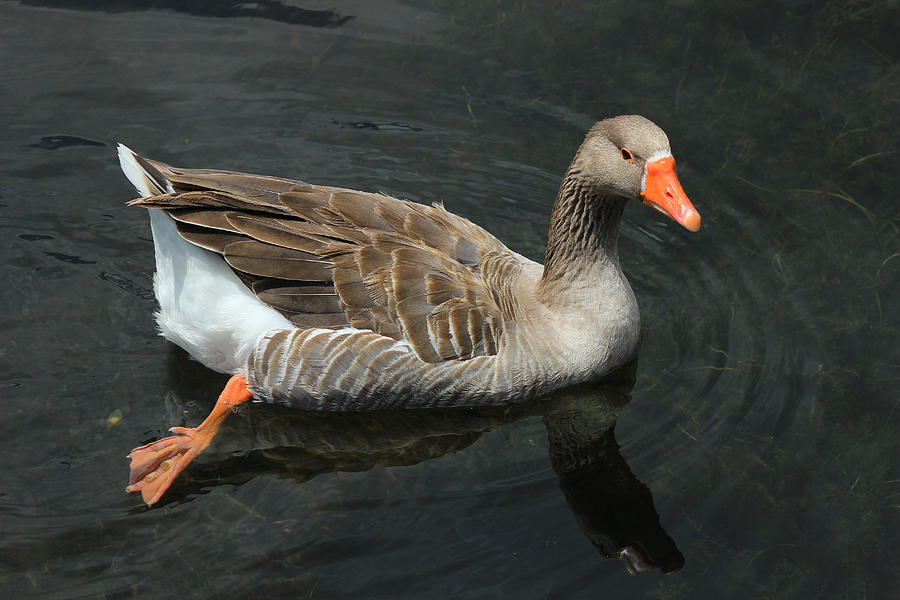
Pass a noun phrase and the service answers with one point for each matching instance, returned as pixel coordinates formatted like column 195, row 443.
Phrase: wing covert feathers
column 330, row 257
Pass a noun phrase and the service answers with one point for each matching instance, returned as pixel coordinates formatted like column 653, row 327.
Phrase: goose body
column 324, row 298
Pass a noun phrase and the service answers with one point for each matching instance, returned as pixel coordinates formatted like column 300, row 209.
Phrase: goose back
column 328, row 257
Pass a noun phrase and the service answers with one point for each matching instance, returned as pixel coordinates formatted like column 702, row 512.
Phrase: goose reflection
column 611, row 506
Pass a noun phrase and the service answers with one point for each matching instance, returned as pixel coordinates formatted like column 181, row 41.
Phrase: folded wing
column 332, row 257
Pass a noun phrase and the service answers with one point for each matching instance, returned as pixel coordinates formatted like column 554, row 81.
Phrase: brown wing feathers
column 330, row 257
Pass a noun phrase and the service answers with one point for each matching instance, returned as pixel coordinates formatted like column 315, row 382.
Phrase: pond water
column 751, row 450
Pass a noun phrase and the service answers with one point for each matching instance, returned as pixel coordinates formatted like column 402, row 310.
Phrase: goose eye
column 626, row 155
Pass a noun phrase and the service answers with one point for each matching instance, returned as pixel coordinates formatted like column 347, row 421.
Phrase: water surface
column 756, row 442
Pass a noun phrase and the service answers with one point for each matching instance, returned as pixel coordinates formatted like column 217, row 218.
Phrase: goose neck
column 584, row 231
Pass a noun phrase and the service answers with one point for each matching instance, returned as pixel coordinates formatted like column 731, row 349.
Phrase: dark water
column 758, row 441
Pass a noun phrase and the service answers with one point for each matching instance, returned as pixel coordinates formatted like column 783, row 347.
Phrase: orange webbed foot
column 156, row 465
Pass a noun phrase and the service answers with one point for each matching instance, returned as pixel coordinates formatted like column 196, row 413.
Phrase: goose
column 329, row 299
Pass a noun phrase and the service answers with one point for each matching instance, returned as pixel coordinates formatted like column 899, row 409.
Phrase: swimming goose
column 324, row 298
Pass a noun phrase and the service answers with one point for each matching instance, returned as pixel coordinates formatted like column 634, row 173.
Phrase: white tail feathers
column 203, row 306
column 145, row 184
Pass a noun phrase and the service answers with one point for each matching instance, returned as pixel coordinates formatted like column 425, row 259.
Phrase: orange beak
column 662, row 191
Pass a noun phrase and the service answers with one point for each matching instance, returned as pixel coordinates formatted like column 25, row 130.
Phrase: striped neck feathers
column 584, row 231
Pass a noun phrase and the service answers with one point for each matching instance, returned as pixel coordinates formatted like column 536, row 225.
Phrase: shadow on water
column 613, row 509
column 262, row 9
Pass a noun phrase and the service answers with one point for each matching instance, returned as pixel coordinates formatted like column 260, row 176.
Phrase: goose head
column 629, row 156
